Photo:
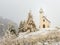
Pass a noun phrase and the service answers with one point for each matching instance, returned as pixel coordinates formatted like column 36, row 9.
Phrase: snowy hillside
column 49, row 36
column 4, row 25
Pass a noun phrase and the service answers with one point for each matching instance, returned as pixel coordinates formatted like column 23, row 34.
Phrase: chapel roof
column 46, row 19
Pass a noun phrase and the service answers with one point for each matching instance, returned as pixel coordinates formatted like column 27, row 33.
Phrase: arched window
column 43, row 25
column 43, row 20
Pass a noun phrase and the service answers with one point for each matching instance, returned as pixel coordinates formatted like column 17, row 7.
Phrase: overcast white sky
column 17, row 10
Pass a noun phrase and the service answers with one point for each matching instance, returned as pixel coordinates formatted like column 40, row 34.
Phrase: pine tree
column 11, row 28
column 21, row 26
column 31, row 24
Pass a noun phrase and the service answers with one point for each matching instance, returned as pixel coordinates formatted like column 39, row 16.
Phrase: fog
column 17, row 10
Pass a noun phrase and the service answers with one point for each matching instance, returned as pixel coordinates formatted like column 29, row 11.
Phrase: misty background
column 17, row 10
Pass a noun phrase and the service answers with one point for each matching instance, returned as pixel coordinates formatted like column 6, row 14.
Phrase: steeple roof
column 41, row 10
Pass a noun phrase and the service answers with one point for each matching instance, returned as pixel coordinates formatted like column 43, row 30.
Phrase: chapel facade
column 44, row 22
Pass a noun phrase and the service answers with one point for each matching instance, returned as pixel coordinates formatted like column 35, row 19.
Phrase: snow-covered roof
column 46, row 19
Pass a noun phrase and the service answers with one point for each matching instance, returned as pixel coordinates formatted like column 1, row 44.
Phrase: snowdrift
column 43, row 36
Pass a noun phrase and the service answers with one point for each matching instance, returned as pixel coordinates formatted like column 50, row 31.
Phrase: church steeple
column 44, row 22
column 41, row 11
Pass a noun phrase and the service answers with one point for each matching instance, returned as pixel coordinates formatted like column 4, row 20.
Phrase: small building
column 44, row 22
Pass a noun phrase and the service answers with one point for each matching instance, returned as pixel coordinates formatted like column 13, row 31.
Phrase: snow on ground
column 35, row 37
column 40, row 37
column 40, row 32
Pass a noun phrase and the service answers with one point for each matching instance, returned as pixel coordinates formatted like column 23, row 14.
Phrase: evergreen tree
column 21, row 26
column 11, row 28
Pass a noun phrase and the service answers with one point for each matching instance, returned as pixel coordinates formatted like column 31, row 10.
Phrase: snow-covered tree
column 11, row 28
column 21, row 26
column 27, row 25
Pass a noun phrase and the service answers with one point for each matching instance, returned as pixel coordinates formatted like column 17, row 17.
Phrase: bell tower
column 41, row 12
column 41, row 16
